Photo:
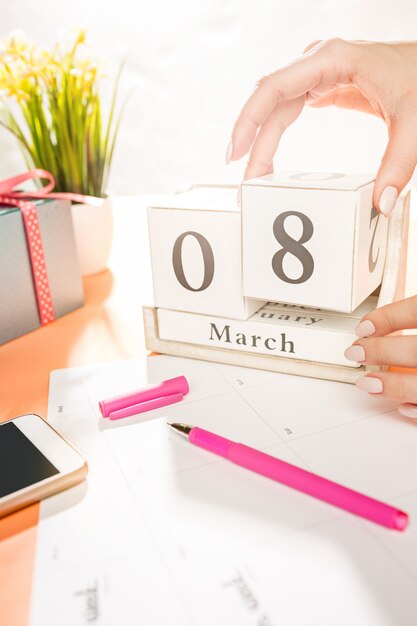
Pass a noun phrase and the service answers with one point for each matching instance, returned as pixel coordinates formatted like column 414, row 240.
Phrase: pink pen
column 295, row 477
column 146, row 399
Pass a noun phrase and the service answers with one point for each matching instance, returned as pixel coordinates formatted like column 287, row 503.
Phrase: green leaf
column 62, row 128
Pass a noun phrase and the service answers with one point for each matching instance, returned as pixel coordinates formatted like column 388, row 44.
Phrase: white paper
column 166, row 534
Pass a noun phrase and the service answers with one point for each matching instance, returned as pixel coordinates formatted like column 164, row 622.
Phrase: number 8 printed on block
column 312, row 239
column 293, row 246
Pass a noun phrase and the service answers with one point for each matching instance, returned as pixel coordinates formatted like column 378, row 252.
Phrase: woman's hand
column 378, row 78
column 377, row 346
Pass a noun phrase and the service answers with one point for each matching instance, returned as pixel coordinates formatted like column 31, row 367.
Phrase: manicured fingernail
column 408, row 409
column 370, row 384
column 365, row 329
column 387, row 200
column 355, row 353
column 229, row 152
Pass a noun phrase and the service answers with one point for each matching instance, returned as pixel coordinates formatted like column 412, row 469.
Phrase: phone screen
column 21, row 463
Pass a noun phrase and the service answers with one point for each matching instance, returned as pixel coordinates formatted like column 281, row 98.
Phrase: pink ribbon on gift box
column 10, row 196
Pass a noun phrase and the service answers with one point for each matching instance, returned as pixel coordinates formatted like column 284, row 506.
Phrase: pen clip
column 148, row 405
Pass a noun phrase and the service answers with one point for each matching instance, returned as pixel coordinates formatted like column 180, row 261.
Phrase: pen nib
column 182, row 429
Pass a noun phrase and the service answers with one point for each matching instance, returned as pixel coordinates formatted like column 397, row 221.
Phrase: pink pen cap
column 173, row 386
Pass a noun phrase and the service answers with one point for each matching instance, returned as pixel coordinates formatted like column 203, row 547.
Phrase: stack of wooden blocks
column 279, row 282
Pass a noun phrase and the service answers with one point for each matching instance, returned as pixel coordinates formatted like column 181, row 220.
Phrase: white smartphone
column 35, row 462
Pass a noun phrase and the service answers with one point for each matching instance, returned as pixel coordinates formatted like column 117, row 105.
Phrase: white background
column 193, row 64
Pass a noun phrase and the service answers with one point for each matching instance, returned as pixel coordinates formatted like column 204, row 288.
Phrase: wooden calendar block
column 195, row 243
column 312, row 239
column 398, row 281
column 278, row 333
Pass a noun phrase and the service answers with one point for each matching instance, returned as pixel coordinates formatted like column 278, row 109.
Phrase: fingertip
column 398, row 162
column 256, row 170
column 356, row 353
column 370, row 384
column 408, row 410
column 387, row 200
column 243, row 136
column 366, row 328
column 240, row 149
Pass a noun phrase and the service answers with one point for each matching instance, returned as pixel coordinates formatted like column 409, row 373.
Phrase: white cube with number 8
column 196, row 253
column 312, row 239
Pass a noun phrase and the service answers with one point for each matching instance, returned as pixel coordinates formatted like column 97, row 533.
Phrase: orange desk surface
column 108, row 327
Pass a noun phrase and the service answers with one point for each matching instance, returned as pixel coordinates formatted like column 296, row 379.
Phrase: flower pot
column 93, row 228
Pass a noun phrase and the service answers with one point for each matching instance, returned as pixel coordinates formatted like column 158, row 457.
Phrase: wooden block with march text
column 312, row 239
column 278, row 332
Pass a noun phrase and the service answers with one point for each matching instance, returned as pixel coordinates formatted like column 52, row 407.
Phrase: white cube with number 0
column 312, row 239
column 196, row 253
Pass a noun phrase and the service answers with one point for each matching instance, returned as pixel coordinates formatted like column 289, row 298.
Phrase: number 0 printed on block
column 207, row 258
column 196, row 253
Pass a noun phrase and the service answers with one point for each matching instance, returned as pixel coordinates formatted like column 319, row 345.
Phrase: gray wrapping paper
column 18, row 305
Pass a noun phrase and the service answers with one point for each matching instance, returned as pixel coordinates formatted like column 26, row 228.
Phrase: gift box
column 39, row 274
